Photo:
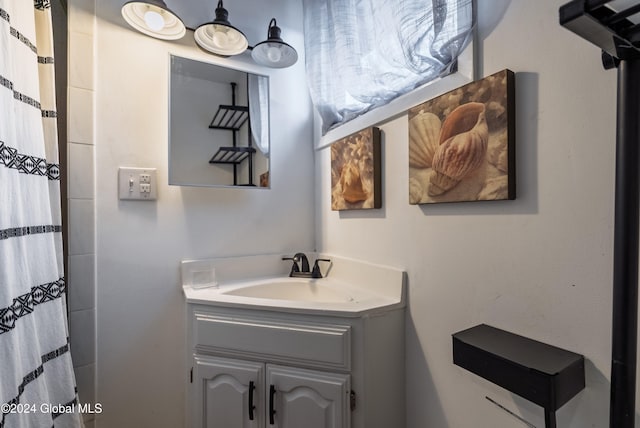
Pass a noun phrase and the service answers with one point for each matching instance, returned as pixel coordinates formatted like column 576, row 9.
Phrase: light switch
column 137, row 184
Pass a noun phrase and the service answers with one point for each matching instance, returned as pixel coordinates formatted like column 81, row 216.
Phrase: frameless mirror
column 218, row 126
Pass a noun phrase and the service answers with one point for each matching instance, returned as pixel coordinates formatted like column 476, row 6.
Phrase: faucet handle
column 294, row 266
column 315, row 273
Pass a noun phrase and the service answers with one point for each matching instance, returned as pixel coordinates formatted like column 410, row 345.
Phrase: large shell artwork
column 461, row 144
column 462, row 149
column 355, row 171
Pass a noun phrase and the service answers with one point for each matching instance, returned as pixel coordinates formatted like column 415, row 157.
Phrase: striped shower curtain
column 37, row 383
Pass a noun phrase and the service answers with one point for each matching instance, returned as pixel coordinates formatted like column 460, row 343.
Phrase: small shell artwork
column 461, row 144
column 355, row 171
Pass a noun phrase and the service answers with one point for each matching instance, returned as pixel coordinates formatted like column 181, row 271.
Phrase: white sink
column 349, row 288
column 295, row 289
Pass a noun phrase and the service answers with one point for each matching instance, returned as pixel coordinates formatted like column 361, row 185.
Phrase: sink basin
column 349, row 287
column 292, row 289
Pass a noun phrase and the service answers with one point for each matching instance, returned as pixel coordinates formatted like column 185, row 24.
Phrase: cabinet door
column 306, row 398
column 228, row 393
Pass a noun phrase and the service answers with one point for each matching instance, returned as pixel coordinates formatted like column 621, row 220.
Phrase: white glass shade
column 274, row 54
column 154, row 19
column 221, row 39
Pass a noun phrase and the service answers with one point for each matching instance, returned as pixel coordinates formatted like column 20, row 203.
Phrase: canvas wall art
column 355, row 171
column 462, row 143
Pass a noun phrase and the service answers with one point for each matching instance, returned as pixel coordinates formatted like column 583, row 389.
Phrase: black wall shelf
column 232, row 155
column 543, row 374
column 232, row 118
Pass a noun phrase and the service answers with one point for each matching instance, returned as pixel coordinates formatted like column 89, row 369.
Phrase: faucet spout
column 300, row 267
column 302, row 258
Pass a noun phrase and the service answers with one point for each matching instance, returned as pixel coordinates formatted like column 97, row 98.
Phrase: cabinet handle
column 272, row 410
column 252, row 386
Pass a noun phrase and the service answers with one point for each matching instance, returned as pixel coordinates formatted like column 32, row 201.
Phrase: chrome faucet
column 303, row 271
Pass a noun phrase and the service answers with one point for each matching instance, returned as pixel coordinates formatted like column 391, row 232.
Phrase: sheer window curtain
column 361, row 54
column 259, row 111
column 35, row 363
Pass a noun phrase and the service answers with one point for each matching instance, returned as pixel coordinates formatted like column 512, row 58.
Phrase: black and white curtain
column 37, row 383
column 361, row 54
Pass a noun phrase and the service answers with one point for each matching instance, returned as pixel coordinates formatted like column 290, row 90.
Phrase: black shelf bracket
column 617, row 33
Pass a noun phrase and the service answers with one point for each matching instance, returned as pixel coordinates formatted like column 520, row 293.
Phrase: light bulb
column 274, row 54
column 154, row 20
column 220, row 38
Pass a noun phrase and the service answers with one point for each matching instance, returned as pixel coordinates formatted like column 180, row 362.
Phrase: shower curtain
column 37, row 383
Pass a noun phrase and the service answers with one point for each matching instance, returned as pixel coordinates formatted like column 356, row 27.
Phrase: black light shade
column 220, row 37
column 274, row 52
column 153, row 18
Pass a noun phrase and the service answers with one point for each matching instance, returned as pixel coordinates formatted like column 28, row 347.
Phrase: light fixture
column 274, row 52
column 220, row 37
column 153, row 18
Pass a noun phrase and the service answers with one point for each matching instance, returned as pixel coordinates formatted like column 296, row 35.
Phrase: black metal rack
column 619, row 38
column 232, row 118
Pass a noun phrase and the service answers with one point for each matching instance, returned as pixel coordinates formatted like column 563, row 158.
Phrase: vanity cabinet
column 268, row 369
column 230, row 393
column 244, row 394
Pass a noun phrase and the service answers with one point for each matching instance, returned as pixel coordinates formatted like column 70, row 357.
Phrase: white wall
column 541, row 265
column 139, row 245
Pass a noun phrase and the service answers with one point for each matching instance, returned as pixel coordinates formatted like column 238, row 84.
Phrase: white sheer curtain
column 361, row 54
column 259, row 111
column 35, row 364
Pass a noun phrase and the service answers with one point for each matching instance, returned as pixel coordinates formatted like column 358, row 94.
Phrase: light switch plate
column 137, row 184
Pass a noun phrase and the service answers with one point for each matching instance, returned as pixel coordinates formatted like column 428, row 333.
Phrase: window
column 361, row 54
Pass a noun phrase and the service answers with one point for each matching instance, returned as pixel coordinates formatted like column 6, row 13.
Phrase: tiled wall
column 81, row 198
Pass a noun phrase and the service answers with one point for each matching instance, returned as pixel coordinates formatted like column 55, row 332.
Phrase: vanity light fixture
column 220, row 37
column 153, row 18
column 274, row 52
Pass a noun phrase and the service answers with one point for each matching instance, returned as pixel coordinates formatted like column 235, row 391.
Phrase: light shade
column 153, row 18
column 220, row 37
column 274, row 52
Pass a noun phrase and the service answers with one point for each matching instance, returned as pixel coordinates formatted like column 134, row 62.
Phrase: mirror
column 218, row 126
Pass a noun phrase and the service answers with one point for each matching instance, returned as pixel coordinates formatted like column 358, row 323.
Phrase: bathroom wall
column 141, row 373
column 540, row 265
column 81, row 198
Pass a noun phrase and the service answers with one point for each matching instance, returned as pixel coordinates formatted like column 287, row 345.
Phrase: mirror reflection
column 218, row 126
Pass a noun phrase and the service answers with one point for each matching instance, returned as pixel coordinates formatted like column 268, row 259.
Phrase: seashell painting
column 462, row 143
column 355, row 171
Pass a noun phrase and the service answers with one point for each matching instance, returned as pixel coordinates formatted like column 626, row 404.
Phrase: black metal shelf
column 230, row 117
column 606, row 28
column 232, row 155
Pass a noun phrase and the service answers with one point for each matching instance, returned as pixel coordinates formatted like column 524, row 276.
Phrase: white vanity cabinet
column 230, row 393
column 267, row 369
column 306, row 398
column 236, row 394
